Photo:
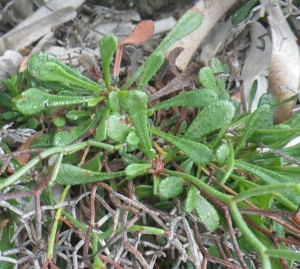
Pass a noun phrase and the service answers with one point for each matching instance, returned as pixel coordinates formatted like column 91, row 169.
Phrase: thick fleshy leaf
column 34, row 101
column 211, row 118
column 113, row 102
column 207, row 213
column 136, row 169
column 257, row 118
column 77, row 114
column 135, row 104
column 197, row 98
column 93, row 165
column 198, row 152
column 73, row 175
column 206, row 78
column 101, row 129
column 153, row 63
column 117, row 128
column 171, row 187
column 47, row 68
column 64, row 138
column 107, row 45
column 144, row 190
column 190, row 201
column 222, row 153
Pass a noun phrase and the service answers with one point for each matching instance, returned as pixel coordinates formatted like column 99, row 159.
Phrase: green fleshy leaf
column 171, row 187
column 135, row 170
column 93, row 165
column 217, row 67
column 132, row 138
column 257, row 118
column 73, row 175
column 135, row 104
column 107, row 45
column 34, row 101
column 47, row 68
column 222, row 153
column 190, row 201
column 187, row 24
column 113, row 102
column 207, row 213
column 198, row 152
column 197, row 98
column 153, row 63
column 59, row 122
column 64, row 138
column 211, row 118
column 101, row 129
column 144, row 190
column 5, row 100
column 206, row 78
column 117, row 128
column 77, row 114
column 243, row 12
column 11, row 87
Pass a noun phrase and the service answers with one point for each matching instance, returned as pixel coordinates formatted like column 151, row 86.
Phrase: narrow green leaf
column 77, row 114
column 230, row 164
column 9, row 85
column 135, row 103
column 243, row 12
column 198, row 152
column 144, row 190
column 113, row 102
column 206, row 78
column 73, row 175
column 270, row 177
column 64, row 138
column 217, row 67
column 136, row 169
column 107, row 45
column 211, row 118
column 153, row 63
column 47, row 68
column 280, row 253
column 101, row 129
column 257, row 118
column 207, row 213
column 197, row 98
column 187, row 24
column 171, row 187
column 34, row 101
column 190, row 201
